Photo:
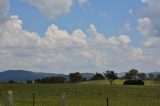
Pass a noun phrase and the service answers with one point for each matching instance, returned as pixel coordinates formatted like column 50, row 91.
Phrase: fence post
column 63, row 99
column 10, row 98
column 107, row 101
column 33, row 99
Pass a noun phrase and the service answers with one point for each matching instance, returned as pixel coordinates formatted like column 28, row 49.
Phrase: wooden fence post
column 10, row 98
column 107, row 101
column 33, row 99
column 63, row 99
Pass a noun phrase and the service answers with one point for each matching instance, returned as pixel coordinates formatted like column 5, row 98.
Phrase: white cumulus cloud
column 62, row 52
column 149, row 23
column 52, row 8
column 59, row 51
column 145, row 27
column 152, row 42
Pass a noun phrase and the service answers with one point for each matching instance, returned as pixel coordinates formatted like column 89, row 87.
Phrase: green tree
column 132, row 74
column 12, row 82
column 110, row 76
column 142, row 76
column 54, row 79
column 75, row 77
column 98, row 76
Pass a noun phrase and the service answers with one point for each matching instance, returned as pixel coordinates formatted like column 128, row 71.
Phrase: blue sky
column 108, row 17
column 97, row 31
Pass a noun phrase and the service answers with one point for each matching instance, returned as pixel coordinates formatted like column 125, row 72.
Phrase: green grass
column 90, row 93
column 116, row 82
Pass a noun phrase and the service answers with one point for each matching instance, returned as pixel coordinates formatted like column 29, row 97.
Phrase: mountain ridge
column 23, row 75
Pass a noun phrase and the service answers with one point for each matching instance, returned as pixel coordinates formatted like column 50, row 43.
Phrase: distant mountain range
column 121, row 74
column 155, row 73
column 22, row 75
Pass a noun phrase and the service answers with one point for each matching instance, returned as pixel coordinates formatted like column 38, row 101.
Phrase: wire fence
column 76, row 97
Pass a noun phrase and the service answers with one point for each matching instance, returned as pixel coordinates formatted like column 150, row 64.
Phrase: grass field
column 90, row 93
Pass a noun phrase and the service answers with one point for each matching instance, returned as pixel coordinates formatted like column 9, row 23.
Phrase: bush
column 54, row 79
column 133, row 82
column 12, row 82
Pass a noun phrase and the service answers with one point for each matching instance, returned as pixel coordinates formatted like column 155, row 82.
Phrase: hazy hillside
column 22, row 75
column 25, row 75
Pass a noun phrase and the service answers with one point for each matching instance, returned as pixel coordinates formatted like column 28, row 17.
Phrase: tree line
column 132, row 76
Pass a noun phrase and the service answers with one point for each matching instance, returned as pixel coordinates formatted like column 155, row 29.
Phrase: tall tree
column 142, row 76
column 132, row 74
column 110, row 76
column 75, row 77
column 97, row 76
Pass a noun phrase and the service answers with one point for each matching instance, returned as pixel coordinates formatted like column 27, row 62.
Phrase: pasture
column 90, row 93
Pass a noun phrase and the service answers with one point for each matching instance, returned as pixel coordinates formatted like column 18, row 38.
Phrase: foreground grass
column 92, row 93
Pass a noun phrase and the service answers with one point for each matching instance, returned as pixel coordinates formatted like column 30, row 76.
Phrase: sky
column 63, row 36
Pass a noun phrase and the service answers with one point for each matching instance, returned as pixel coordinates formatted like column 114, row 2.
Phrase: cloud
column 150, row 1
column 79, row 37
column 145, row 27
column 126, row 27
column 61, row 52
column 149, row 23
column 12, row 35
column 124, row 39
column 118, row 41
column 4, row 8
column 82, row 2
column 151, row 16
column 54, row 33
column 52, row 8
column 137, row 54
column 152, row 42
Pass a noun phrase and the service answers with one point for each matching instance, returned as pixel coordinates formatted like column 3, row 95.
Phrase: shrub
column 54, row 79
column 97, row 76
column 133, row 82
column 12, row 82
